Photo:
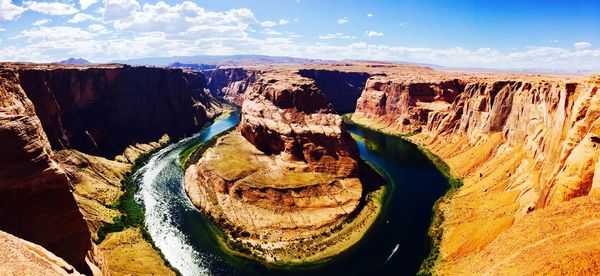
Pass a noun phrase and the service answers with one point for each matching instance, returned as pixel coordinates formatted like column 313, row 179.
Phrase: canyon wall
column 520, row 144
column 341, row 88
column 36, row 203
column 102, row 110
column 231, row 83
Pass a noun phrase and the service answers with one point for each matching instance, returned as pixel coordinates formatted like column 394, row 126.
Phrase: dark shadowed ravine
column 396, row 245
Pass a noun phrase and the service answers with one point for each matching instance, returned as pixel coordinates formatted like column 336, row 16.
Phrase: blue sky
column 494, row 34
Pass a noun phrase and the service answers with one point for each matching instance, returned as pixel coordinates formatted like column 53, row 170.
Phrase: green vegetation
column 132, row 214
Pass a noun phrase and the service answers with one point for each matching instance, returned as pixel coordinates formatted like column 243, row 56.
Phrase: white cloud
column 402, row 23
column 283, row 21
column 84, row 4
column 118, row 9
column 373, row 33
column 2, row 29
column 186, row 18
column 51, row 8
column 9, row 11
column 268, row 24
column 270, row 32
column 369, row 15
column 343, row 20
column 99, row 29
column 582, row 45
column 337, row 36
column 42, row 22
column 81, row 17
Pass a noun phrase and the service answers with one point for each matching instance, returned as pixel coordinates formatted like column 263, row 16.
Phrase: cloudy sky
column 493, row 34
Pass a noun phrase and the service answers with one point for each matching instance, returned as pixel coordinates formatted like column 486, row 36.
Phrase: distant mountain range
column 204, row 62
column 74, row 61
column 233, row 60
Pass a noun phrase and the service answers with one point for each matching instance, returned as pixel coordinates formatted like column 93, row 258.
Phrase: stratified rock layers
column 36, row 203
column 231, row 83
column 519, row 143
column 101, row 111
column 288, row 114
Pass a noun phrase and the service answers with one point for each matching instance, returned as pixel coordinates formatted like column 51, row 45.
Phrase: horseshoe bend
column 176, row 137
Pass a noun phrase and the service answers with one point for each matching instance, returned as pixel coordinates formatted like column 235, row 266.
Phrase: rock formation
column 20, row 257
column 231, row 83
column 288, row 114
column 36, row 201
column 520, row 143
column 100, row 110
column 288, row 175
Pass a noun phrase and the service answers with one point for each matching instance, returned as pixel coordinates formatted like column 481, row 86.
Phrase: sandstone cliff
column 231, row 83
column 288, row 114
column 20, row 257
column 520, row 143
column 36, row 203
column 101, row 110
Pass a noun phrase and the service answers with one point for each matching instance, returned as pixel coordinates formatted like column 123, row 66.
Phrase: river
column 396, row 245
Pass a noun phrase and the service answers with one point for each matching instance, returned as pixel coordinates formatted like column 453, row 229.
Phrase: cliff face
column 288, row 114
column 520, row 144
column 231, row 83
column 342, row 88
column 36, row 203
column 101, row 111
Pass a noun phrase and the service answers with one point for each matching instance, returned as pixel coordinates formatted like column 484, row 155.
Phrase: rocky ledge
column 283, row 185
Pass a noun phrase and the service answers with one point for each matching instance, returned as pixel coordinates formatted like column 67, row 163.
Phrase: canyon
column 60, row 125
column 524, row 147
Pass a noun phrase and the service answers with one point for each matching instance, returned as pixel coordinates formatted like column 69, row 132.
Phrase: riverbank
column 435, row 231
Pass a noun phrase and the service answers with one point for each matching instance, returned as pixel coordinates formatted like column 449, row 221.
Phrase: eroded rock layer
column 231, row 83
column 86, row 111
column 102, row 110
column 520, row 143
column 36, row 203
column 287, row 114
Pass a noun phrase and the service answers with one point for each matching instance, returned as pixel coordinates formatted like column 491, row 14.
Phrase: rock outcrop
column 288, row 114
column 20, row 257
column 284, row 182
column 231, row 83
column 520, row 143
column 36, row 203
column 100, row 110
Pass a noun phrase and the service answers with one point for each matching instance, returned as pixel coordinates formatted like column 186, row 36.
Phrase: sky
column 491, row 34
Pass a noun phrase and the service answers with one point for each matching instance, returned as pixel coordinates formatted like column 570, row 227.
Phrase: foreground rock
column 284, row 183
column 520, row 143
column 20, row 257
column 36, row 202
